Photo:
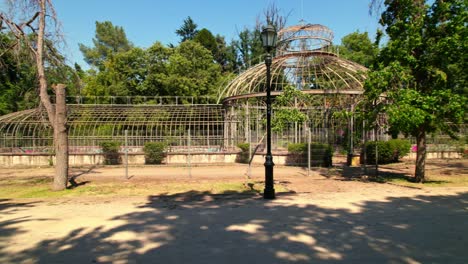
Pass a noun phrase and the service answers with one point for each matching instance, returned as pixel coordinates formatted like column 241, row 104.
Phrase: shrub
column 154, row 152
column 321, row 154
column 243, row 156
column 401, row 148
column 388, row 151
column 110, row 150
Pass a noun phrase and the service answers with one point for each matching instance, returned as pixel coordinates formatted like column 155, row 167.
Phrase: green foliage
column 249, row 47
column 18, row 79
column 188, row 30
column 388, row 151
column 421, row 70
column 225, row 55
column 359, row 48
column 297, row 148
column 401, row 147
column 287, row 108
column 207, row 40
column 109, row 39
column 186, row 70
column 243, row 156
column 191, row 71
column 110, row 150
column 154, row 152
column 320, row 154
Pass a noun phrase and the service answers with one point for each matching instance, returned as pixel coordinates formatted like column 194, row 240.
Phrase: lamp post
column 269, row 43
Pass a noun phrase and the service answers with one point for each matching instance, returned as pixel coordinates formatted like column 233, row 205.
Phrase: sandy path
column 325, row 221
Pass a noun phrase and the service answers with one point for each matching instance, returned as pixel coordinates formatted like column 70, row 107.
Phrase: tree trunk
column 39, row 54
column 420, row 169
column 60, row 140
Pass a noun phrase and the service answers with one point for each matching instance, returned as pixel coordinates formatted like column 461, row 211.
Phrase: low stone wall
column 439, row 155
column 37, row 160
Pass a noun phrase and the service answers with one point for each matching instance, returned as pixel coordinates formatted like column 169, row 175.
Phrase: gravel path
column 321, row 221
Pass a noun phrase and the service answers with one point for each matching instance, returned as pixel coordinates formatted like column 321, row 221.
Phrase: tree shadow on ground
column 200, row 227
column 8, row 227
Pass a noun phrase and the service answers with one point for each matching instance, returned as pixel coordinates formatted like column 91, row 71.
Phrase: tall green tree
column 17, row 77
column 249, row 47
column 109, row 39
column 359, row 48
column 223, row 54
column 420, row 77
column 191, row 71
column 226, row 55
column 207, row 40
column 188, row 30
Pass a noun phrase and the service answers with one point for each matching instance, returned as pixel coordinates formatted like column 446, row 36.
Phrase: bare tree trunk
column 39, row 54
column 60, row 140
column 420, row 169
column 24, row 31
column 58, row 117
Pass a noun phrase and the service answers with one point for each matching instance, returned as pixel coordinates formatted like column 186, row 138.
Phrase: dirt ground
column 321, row 218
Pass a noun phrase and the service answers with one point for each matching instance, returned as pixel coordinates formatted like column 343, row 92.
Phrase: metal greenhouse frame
column 304, row 60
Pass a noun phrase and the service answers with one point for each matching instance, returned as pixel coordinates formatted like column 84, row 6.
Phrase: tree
column 249, row 47
column 223, row 54
column 226, row 55
column 207, row 40
column 191, row 71
column 249, row 44
column 109, row 39
column 188, row 30
column 30, row 33
column 359, row 48
column 421, row 72
column 17, row 77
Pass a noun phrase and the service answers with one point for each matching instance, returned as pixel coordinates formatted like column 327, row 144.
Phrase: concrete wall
column 36, row 160
column 439, row 155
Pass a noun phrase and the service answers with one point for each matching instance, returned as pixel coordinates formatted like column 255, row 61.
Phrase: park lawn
column 40, row 188
column 432, row 180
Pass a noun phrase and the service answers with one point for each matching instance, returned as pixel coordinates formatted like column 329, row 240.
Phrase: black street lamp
column 269, row 42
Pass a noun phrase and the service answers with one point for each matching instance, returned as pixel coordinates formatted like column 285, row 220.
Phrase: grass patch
column 40, row 188
column 431, row 180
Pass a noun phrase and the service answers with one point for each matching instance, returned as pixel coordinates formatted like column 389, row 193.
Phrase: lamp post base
column 269, row 191
column 269, row 194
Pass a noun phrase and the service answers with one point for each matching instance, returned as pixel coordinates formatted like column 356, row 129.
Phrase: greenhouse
column 304, row 60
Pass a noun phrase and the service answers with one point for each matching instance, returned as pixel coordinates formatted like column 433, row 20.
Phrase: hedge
column 154, row 152
column 243, row 156
column 388, row 151
column 110, row 149
column 321, row 154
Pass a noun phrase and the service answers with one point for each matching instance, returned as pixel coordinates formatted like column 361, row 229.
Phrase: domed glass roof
column 305, row 60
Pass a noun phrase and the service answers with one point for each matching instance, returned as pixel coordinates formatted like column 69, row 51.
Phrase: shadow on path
column 197, row 227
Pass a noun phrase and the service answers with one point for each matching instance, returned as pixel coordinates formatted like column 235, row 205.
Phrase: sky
column 148, row 21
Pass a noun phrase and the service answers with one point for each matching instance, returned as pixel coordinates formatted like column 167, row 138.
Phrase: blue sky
column 148, row 21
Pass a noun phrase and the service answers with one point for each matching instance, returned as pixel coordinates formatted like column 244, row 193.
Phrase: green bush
column 297, row 148
column 110, row 149
column 388, row 151
column 401, row 148
column 243, row 156
column 154, row 152
column 321, row 154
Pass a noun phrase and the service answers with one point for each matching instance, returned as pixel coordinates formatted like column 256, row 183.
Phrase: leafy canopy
column 188, row 30
column 109, row 39
column 421, row 69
